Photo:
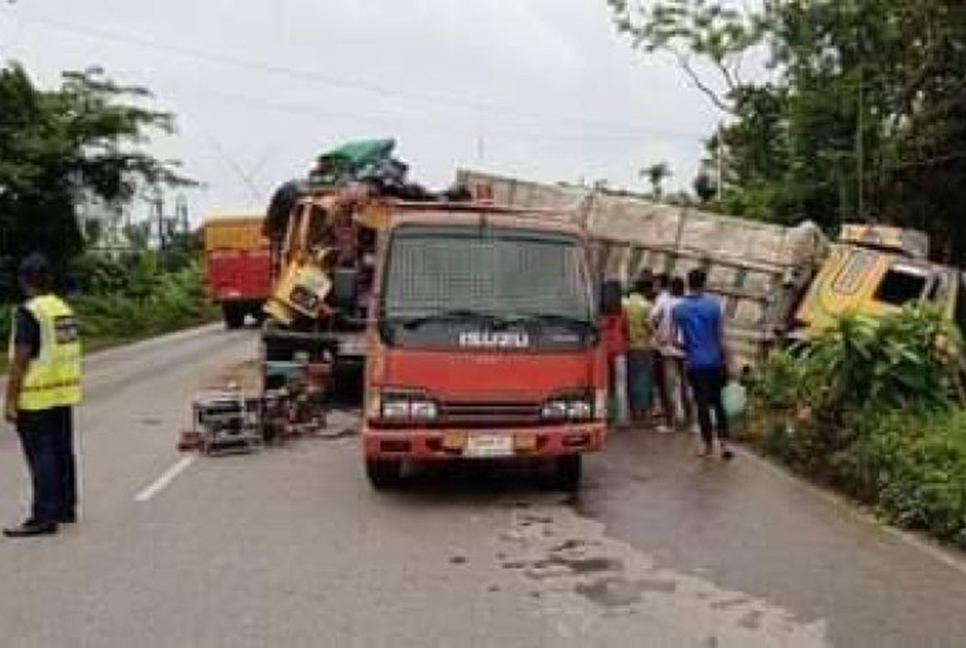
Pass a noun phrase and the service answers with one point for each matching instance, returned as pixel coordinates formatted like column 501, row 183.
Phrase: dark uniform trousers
column 48, row 443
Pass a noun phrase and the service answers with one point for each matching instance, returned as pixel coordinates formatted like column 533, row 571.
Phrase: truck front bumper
column 429, row 444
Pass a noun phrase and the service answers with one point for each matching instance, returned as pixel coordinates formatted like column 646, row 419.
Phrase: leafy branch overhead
column 836, row 110
column 84, row 140
column 699, row 34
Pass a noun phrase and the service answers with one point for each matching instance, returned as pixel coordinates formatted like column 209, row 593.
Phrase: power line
column 322, row 79
column 313, row 111
column 245, row 176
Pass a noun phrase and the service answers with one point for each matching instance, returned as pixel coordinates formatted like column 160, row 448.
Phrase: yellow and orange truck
column 875, row 270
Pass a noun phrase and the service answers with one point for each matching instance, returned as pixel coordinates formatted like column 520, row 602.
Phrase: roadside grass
column 873, row 409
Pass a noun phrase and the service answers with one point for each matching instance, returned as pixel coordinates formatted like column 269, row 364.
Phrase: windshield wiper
column 552, row 319
column 411, row 323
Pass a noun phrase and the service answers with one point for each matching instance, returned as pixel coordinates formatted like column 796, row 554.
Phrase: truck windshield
column 493, row 274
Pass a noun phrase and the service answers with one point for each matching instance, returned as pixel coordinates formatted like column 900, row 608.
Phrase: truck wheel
column 569, row 469
column 234, row 316
column 384, row 474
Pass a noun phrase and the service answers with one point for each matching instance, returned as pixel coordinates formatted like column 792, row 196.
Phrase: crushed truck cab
column 482, row 342
column 875, row 270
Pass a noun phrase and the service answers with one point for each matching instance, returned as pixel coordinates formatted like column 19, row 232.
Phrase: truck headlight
column 555, row 410
column 421, row 410
column 568, row 409
column 395, row 410
column 580, row 410
column 401, row 407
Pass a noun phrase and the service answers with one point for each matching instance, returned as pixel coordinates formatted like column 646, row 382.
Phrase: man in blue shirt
column 699, row 321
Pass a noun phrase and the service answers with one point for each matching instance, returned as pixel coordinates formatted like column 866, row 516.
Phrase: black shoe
column 727, row 455
column 68, row 518
column 31, row 528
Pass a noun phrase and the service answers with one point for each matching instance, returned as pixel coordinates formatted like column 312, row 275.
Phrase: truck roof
column 235, row 218
column 410, row 213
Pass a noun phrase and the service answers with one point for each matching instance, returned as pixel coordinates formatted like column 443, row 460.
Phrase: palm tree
column 656, row 174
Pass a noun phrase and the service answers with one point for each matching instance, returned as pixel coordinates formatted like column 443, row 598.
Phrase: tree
column 60, row 147
column 656, row 174
column 705, row 186
column 863, row 115
column 700, row 35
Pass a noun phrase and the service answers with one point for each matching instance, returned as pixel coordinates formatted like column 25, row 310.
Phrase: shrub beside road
column 131, row 300
column 875, row 410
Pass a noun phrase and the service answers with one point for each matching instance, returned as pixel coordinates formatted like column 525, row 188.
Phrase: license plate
column 489, row 445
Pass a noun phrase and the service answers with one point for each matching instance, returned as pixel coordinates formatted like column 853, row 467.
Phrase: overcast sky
column 543, row 89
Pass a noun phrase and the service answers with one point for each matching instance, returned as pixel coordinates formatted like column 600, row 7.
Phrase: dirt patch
column 246, row 376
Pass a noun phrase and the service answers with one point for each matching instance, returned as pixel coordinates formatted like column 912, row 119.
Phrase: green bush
column 909, row 359
column 912, row 468
column 131, row 299
column 152, row 302
column 874, row 408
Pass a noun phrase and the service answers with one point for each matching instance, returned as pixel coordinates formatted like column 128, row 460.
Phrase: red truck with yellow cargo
column 237, row 265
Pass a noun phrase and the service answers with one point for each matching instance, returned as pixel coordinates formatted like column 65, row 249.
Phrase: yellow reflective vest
column 53, row 378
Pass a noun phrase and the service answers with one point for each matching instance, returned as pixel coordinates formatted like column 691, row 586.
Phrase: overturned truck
column 759, row 270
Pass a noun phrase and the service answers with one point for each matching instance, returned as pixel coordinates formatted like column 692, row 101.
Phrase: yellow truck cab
column 875, row 270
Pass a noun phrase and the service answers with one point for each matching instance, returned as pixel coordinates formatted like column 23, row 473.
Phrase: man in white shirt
column 669, row 361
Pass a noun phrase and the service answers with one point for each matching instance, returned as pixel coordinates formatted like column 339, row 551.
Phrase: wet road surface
column 290, row 546
column 750, row 528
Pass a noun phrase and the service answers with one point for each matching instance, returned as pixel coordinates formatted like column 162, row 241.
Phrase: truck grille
column 490, row 413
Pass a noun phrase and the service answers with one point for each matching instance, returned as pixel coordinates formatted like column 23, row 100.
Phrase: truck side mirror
column 345, row 288
column 611, row 297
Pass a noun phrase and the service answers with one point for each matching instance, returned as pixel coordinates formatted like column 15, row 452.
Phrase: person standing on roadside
column 670, row 377
column 677, row 372
column 44, row 383
column 700, row 322
column 663, row 333
column 615, row 335
column 640, row 351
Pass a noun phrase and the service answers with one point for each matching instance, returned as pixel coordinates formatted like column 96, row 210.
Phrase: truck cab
column 483, row 342
column 875, row 270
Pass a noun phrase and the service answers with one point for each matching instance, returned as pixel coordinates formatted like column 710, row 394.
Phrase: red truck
column 483, row 342
column 238, row 265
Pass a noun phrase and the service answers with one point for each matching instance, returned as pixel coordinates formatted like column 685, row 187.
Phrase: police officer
column 44, row 383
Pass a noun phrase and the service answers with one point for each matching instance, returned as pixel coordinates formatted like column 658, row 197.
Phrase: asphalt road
column 290, row 547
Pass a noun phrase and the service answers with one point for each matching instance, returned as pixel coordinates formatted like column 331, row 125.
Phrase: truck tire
column 384, row 474
column 234, row 316
column 568, row 472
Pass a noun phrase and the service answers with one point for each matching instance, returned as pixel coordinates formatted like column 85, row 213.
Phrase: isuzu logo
column 494, row 340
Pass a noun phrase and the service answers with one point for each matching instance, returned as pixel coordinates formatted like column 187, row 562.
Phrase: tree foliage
column 656, row 175
column 862, row 114
column 79, row 142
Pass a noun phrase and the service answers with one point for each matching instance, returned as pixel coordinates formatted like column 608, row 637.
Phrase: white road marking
column 164, row 480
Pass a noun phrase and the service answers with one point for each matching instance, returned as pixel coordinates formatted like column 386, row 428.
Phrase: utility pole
column 860, row 144
column 719, row 170
column 159, row 214
column 181, row 214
